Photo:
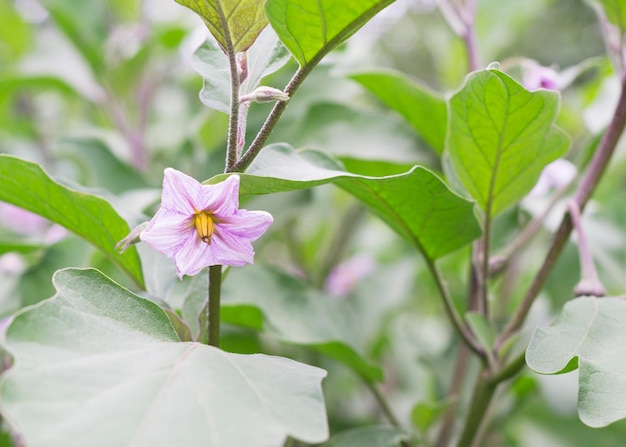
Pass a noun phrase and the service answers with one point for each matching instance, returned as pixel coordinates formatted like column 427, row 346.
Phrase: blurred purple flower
column 344, row 277
column 555, row 175
column 200, row 225
column 26, row 223
column 536, row 76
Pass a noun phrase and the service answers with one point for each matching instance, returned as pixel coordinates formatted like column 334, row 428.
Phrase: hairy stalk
column 588, row 184
column 382, row 402
column 213, row 307
column 235, row 83
column 271, row 121
column 481, row 399
column 469, row 36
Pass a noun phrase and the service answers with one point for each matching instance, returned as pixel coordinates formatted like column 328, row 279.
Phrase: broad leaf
column 132, row 383
column 296, row 314
column 244, row 20
column 423, row 109
column 500, row 137
column 265, row 57
column 26, row 185
column 375, row 436
column 310, row 29
column 590, row 333
column 416, row 204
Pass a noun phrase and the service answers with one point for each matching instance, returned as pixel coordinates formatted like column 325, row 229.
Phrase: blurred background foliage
column 101, row 93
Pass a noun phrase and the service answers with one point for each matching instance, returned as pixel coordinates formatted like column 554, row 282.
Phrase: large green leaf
column 416, row 204
column 590, row 333
column 310, row 29
column 423, row 109
column 26, row 185
column 375, row 436
column 266, row 56
column 500, row 137
column 296, row 314
column 245, row 19
column 99, row 366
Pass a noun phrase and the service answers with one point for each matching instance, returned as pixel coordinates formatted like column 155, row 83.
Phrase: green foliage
column 266, row 56
column 615, row 11
column 311, row 29
column 26, row 185
column 416, row 204
column 128, row 350
column 296, row 314
column 591, row 331
column 369, row 437
column 422, row 108
column 500, row 137
column 237, row 21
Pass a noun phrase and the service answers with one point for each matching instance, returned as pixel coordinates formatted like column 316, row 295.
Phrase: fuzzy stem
column 460, row 369
column 271, row 121
column 235, row 84
column 384, row 405
column 481, row 399
column 213, row 307
column 586, row 188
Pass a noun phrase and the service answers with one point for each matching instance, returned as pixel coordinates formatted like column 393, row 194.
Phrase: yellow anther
column 205, row 226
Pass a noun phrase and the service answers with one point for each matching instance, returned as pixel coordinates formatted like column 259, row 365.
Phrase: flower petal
column 181, row 192
column 167, row 231
column 232, row 250
column 193, row 256
column 246, row 224
column 221, row 199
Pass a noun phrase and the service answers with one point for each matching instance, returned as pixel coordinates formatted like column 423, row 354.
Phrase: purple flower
column 345, row 276
column 201, row 225
column 536, row 76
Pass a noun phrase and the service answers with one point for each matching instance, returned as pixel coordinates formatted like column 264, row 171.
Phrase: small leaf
column 376, row 436
column 500, row 137
column 425, row 414
column 265, row 57
column 590, row 333
column 423, row 109
column 132, row 383
column 310, row 29
column 416, row 204
column 26, row 185
column 296, row 314
column 245, row 19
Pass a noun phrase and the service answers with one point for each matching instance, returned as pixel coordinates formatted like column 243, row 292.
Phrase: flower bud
column 265, row 94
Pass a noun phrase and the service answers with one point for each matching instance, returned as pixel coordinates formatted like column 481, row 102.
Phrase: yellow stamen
column 205, row 225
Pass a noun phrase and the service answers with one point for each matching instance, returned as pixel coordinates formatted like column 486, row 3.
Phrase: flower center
column 203, row 220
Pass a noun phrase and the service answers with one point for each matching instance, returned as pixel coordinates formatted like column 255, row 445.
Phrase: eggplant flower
column 201, row 225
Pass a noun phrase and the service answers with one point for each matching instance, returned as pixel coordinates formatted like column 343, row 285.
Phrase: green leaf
column 500, row 137
column 310, row 29
column 245, row 19
column 425, row 110
column 425, row 414
column 131, row 382
column 416, row 204
column 19, row 245
column 265, row 57
column 296, row 314
column 26, row 185
column 590, row 332
column 615, row 11
column 375, row 436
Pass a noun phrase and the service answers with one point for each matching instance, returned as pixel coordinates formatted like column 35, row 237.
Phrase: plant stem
column 272, row 120
column 384, row 405
column 452, row 313
column 481, row 398
column 213, row 307
column 460, row 369
column 235, row 83
column 586, row 188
